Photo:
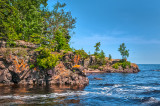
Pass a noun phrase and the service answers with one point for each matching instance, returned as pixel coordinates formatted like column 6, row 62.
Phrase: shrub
column 100, row 56
column 10, row 43
column 82, row 53
column 60, row 40
column 123, row 64
column 115, row 66
column 94, row 66
column 100, row 61
column 46, row 59
column 31, row 66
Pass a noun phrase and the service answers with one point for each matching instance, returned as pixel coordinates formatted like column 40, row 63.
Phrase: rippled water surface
column 141, row 88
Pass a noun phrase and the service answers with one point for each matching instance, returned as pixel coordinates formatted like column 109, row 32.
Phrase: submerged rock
column 97, row 78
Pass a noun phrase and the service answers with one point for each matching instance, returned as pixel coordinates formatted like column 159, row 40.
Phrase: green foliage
column 31, row 66
column 61, row 19
column 100, row 58
column 98, row 44
column 46, row 59
column 10, row 43
column 101, row 55
column 20, row 19
column 81, row 53
column 116, row 65
column 60, row 40
column 101, row 61
column 94, row 66
column 123, row 51
column 74, row 70
column 110, row 57
column 31, row 21
column 123, row 64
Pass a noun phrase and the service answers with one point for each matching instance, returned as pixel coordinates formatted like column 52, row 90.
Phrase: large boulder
column 86, row 63
column 65, row 76
column 5, row 76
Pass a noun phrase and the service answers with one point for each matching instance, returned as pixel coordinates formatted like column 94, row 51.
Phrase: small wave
column 156, row 70
column 22, row 97
column 52, row 95
column 150, row 101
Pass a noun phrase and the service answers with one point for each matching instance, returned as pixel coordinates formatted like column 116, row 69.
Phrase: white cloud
column 106, row 39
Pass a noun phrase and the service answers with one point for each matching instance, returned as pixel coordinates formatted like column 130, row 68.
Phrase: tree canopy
column 31, row 21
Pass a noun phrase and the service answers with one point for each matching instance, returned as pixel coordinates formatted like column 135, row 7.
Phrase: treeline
column 31, row 21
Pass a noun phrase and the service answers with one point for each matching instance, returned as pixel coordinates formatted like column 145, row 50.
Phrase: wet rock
column 5, row 76
column 15, row 77
column 97, row 78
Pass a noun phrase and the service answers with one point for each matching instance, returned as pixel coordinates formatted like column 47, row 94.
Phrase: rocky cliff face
column 15, row 68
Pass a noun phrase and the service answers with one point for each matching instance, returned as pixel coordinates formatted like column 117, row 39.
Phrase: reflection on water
column 33, row 94
column 35, row 89
column 141, row 88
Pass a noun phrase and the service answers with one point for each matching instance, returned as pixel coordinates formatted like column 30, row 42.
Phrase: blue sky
column 112, row 22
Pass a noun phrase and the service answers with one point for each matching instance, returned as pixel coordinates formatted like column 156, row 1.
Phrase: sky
column 112, row 22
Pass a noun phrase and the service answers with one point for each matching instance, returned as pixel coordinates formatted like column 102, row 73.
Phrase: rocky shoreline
column 133, row 69
column 15, row 67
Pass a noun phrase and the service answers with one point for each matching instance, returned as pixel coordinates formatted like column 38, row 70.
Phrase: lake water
column 141, row 88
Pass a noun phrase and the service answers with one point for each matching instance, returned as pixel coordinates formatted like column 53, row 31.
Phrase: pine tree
column 123, row 51
column 97, row 48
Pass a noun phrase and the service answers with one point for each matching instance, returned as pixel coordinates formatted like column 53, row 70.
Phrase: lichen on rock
column 15, row 68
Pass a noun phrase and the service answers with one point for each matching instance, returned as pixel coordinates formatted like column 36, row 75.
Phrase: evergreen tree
column 30, row 20
column 101, row 55
column 60, row 40
column 97, row 48
column 123, row 51
column 110, row 57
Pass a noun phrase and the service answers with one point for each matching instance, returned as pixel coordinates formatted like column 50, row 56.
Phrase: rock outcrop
column 133, row 69
column 15, row 69
column 108, row 67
